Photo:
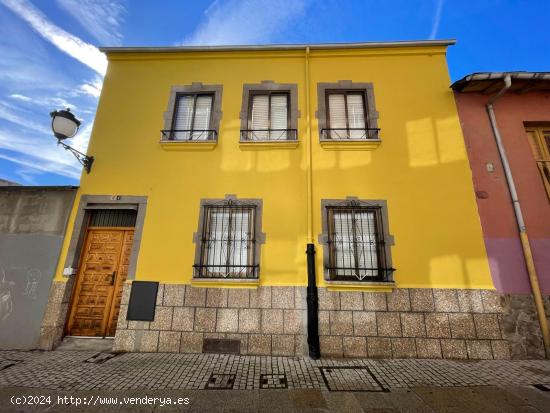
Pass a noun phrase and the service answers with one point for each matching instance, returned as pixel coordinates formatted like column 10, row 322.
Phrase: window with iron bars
column 192, row 118
column 228, row 242
column 268, row 117
column 356, row 244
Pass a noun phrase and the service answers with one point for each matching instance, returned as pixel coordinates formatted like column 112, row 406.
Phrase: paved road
column 146, row 382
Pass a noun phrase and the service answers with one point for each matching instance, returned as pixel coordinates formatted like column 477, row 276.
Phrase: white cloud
column 66, row 42
column 91, row 88
column 21, row 97
column 437, row 19
column 23, row 67
column 9, row 112
column 245, row 21
column 38, row 152
column 48, row 102
column 101, row 18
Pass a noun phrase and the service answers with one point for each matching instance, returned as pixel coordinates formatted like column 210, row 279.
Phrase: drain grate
column 219, row 381
column 6, row 363
column 351, row 378
column 101, row 358
column 273, row 381
column 542, row 387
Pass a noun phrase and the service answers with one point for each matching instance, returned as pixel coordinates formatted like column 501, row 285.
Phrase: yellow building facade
column 398, row 164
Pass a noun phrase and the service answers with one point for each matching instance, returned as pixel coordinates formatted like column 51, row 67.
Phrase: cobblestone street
column 425, row 385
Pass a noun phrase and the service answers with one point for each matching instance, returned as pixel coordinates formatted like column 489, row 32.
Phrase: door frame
column 87, row 204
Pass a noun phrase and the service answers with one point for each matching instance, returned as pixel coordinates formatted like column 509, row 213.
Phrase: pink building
column 522, row 118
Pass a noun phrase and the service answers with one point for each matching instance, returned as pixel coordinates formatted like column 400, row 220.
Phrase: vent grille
column 113, row 218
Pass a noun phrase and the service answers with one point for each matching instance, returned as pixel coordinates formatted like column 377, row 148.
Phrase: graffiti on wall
column 29, row 282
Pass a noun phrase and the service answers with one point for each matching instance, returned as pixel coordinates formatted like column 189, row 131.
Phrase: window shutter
column 356, row 115
column 218, row 237
column 343, row 243
column 337, row 116
column 279, row 116
column 183, row 118
column 365, row 230
column 260, row 116
column 201, row 124
column 240, row 240
column 546, row 136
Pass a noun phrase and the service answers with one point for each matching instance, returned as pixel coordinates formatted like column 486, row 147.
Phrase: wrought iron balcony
column 251, row 135
column 188, row 135
column 343, row 134
column 241, row 272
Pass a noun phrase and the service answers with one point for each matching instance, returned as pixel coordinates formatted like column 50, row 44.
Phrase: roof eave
column 280, row 47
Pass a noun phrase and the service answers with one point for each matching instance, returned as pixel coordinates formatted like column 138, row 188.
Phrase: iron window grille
column 268, row 117
column 347, row 116
column 356, row 244
column 228, row 242
column 192, row 118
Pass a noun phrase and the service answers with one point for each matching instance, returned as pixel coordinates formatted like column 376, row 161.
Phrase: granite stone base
column 406, row 323
column 266, row 320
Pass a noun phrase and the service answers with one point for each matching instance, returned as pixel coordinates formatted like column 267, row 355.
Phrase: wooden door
column 102, row 272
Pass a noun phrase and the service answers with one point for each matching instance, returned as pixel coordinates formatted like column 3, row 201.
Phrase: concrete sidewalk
column 214, row 382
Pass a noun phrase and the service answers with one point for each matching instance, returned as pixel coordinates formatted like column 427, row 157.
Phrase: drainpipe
column 312, row 297
column 528, row 256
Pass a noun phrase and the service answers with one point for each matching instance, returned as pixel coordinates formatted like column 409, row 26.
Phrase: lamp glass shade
column 64, row 127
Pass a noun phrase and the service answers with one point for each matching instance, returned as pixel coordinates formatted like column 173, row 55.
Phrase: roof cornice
column 280, row 47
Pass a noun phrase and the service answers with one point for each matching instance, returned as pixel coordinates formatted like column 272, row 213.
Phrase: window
column 346, row 112
column 268, row 116
column 356, row 244
column 346, row 115
column 228, row 240
column 539, row 139
column 269, row 112
column 193, row 114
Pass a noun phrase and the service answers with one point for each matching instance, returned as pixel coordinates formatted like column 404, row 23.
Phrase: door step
column 86, row 343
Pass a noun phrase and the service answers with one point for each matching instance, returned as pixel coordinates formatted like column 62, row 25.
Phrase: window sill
column 350, row 144
column 268, row 144
column 225, row 283
column 188, row 145
column 360, row 286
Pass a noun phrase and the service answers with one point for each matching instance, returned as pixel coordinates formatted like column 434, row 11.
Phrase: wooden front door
column 102, row 272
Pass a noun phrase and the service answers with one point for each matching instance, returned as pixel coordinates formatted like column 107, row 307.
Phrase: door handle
column 113, row 278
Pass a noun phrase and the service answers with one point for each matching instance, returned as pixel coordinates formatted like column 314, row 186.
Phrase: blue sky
column 49, row 57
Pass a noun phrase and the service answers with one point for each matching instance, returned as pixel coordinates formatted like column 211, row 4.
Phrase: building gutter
column 527, row 253
column 312, row 298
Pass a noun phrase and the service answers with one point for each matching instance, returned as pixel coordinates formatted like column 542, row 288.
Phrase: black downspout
column 312, row 306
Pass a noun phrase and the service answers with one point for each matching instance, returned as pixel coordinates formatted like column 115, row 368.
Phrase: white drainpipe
column 528, row 256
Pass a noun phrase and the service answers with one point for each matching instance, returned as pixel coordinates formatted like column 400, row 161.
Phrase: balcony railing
column 360, row 274
column 342, row 134
column 188, row 135
column 249, row 272
column 251, row 135
column 544, row 169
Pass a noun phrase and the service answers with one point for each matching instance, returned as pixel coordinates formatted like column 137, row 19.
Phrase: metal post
column 312, row 306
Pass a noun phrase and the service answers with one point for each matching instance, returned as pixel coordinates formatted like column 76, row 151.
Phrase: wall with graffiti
column 32, row 224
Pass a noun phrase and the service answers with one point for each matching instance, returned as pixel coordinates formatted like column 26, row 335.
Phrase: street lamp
column 64, row 126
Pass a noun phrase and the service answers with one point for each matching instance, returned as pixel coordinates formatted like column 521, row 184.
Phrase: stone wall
column 520, row 325
column 406, row 323
column 266, row 320
column 410, row 323
column 53, row 323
